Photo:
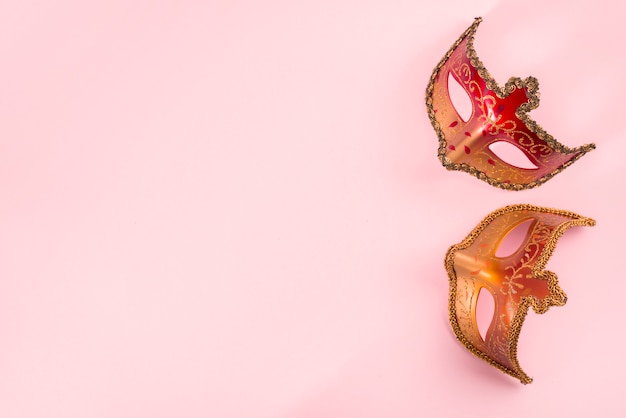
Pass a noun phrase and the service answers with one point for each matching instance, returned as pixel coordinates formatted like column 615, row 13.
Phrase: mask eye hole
column 513, row 239
column 460, row 99
column 485, row 308
column 511, row 155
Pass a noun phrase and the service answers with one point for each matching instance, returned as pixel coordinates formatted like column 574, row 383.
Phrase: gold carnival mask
column 516, row 281
column 497, row 115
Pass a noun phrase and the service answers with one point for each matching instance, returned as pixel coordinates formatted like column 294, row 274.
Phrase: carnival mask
column 497, row 115
column 516, row 281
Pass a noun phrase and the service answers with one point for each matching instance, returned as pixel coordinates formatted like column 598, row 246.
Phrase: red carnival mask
column 498, row 114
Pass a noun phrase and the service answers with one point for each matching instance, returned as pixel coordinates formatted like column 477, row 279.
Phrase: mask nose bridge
column 478, row 267
column 472, row 138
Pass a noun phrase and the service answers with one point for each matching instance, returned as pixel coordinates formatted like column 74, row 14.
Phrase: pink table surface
column 234, row 209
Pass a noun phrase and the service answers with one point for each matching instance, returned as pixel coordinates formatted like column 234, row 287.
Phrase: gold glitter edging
column 532, row 93
column 556, row 297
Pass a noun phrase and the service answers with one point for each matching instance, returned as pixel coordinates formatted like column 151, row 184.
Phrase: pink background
column 234, row 209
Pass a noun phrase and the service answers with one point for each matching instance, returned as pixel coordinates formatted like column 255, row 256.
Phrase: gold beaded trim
column 532, row 86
